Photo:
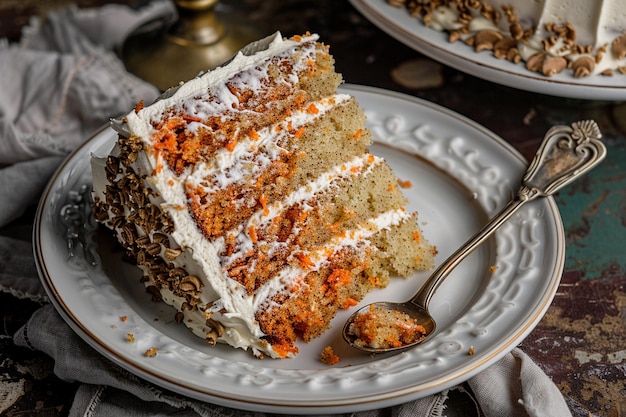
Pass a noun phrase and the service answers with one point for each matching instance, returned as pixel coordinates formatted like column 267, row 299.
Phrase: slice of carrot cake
column 248, row 198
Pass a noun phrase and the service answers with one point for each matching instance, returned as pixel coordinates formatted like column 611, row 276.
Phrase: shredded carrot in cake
column 358, row 134
column 311, row 65
column 338, row 278
column 312, row 109
column 299, row 132
column 173, row 123
column 349, row 302
column 395, row 343
column 300, row 101
column 164, row 140
column 374, row 281
column 254, row 135
column 305, row 260
column 189, row 118
column 232, row 89
column 284, row 349
column 252, row 234
column 230, row 145
column 263, row 201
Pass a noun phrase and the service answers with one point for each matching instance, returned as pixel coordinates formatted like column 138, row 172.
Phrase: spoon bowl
column 414, row 311
column 565, row 154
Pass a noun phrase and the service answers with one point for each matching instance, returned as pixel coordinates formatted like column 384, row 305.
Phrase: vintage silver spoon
column 565, row 154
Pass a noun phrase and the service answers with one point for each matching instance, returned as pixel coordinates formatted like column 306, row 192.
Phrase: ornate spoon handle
column 565, row 154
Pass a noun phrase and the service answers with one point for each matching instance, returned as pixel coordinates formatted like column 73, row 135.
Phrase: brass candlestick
column 200, row 40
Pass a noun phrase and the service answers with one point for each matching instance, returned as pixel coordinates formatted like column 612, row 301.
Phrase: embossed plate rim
column 462, row 150
column 396, row 22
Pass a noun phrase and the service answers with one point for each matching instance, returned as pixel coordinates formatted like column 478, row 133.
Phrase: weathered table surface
column 580, row 341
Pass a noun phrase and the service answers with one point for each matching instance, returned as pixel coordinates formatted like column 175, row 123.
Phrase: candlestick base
column 200, row 40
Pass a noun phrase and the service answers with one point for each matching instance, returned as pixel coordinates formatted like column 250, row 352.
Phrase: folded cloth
column 60, row 84
column 514, row 386
column 106, row 386
column 57, row 88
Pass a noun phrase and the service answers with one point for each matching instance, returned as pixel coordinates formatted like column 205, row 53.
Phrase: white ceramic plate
column 462, row 174
column 396, row 22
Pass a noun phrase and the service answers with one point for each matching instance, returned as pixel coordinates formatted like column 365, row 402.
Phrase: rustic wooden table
column 580, row 341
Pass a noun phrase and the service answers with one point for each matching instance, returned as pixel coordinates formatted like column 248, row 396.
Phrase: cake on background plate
column 577, row 37
column 250, row 201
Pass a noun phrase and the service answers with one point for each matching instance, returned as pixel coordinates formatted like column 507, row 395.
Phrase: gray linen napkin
column 59, row 85
column 57, row 88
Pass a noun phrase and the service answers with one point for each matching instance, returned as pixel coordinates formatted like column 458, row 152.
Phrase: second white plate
column 396, row 22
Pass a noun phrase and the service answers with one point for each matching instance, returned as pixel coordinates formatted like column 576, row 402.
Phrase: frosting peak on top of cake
column 224, row 99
